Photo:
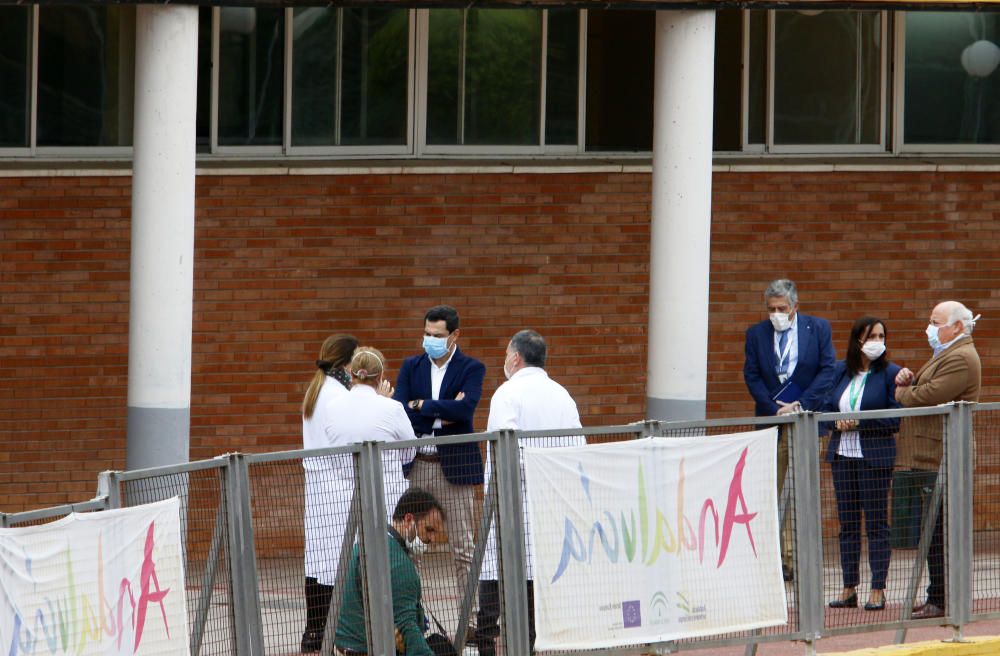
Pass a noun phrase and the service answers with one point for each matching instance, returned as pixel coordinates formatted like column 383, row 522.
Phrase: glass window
column 362, row 55
column 727, row 100
column 620, row 62
column 15, row 53
column 484, row 77
column 757, row 83
column 952, row 87
column 562, row 76
column 827, row 77
column 85, row 74
column 251, row 76
column 203, row 116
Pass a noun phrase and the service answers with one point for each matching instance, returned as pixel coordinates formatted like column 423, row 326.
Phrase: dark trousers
column 861, row 489
column 318, row 598
column 935, row 554
column 488, row 617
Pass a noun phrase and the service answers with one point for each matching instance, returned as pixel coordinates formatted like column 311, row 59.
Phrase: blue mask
column 435, row 347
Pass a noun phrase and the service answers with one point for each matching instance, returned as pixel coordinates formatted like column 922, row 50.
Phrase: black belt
column 350, row 652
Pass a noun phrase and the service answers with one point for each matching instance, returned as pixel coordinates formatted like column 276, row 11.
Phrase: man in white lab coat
column 529, row 401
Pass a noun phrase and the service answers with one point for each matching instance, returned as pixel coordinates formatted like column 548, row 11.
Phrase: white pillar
column 680, row 230
column 161, row 289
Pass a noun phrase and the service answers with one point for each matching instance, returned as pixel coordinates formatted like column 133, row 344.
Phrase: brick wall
column 283, row 261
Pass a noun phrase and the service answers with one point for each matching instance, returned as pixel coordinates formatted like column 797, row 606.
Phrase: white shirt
column 437, row 377
column 314, row 428
column 530, row 400
column 792, row 345
column 850, row 441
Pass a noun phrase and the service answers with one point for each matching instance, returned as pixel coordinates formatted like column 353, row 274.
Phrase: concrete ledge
column 968, row 647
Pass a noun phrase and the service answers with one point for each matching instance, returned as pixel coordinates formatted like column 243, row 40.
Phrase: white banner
column 653, row 540
column 103, row 583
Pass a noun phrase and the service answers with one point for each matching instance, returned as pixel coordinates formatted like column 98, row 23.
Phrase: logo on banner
column 692, row 612
column 631, row 614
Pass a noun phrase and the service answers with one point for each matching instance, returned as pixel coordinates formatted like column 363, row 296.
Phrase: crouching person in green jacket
column 418, row 517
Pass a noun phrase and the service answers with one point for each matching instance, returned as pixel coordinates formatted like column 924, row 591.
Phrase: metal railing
column 242, row 522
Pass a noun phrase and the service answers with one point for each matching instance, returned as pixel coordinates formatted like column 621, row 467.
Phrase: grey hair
column 530, row 346
column 782, row 288
column 961, row 313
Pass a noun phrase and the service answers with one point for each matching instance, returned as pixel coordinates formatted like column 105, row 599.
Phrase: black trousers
column 488, row 617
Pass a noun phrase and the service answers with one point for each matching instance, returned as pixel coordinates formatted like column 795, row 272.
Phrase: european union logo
column 630, row 614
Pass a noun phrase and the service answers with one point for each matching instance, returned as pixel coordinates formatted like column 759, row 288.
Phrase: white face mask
column 780, row 321
column 506, row 372
column 932, row 336
column 416, row 546
column 873, row 350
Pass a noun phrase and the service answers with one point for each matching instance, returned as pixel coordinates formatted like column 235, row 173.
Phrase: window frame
column 423, row 149
column 326, row 151
column 899, row 87
column 822, row 149
column 892, row 108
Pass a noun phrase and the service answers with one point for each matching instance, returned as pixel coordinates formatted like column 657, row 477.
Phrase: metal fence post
column 512, row 556
column 958, row 450
column 804, row 453
column 376, row 551
column 242, row 557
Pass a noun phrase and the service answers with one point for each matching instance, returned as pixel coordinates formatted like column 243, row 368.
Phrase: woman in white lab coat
column 323, row 526
column 369, row 414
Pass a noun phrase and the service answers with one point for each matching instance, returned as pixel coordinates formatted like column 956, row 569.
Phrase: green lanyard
column 854, row 398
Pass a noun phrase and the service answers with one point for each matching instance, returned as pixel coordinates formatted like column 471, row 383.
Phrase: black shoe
column 850, row 602
column 787, row 572
column 928, row 611
column 312, row 641
column 879, row 606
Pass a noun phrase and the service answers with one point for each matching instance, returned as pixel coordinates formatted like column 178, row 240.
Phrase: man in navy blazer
column 440, row 390
column 790, row 352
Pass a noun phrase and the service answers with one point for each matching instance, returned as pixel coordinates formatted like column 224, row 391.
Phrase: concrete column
column 680, row 230
column 161, row 289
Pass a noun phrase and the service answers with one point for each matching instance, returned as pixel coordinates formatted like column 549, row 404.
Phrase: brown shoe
column 928, row 611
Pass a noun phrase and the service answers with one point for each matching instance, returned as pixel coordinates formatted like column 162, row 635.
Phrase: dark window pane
column 204, row 113
column 15, row 34
column 952, row 83
column 757, row 98
column 375, row 65
column 444, row 54
column 491, row 95
column 503, row 76
column 827, row 77
column 85, row 73
column 728, row 80
column 251, row 76
column 314, row 76
column 620, row 80
column 562, row 76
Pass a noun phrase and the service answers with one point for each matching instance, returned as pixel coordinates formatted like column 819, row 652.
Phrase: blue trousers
column 862, row 490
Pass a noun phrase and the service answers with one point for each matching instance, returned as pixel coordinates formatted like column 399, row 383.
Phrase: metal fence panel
column 205, row 526
column 986, row 512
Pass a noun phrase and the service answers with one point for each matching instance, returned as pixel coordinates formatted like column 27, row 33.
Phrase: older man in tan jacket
column 954, row 373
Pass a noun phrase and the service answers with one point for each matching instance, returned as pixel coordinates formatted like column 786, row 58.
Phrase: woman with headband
column 322, row 524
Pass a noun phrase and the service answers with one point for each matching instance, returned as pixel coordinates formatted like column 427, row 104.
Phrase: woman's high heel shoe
column 870, row 605
column 850, row 602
